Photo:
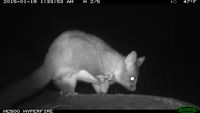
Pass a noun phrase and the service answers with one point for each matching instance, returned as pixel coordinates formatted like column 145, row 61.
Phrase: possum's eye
column 132, row 78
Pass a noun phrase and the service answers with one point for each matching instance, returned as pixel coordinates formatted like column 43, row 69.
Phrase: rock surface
column 53, row 100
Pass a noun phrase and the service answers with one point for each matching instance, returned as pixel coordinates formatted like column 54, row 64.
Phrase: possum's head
column 131, row 71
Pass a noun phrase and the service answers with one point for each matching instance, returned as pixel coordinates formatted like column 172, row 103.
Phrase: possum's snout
column 131, row 87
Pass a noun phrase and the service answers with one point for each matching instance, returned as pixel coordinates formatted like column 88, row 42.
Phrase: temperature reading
column 70, row 1
column 189, row 1
column 173, row 1
column 92, row 1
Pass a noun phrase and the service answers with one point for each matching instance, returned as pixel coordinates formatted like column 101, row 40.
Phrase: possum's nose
column 131, row 87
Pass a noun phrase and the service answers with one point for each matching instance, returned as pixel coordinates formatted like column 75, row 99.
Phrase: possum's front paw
column 71, row 94
column 61, row 93
column 68, row 94
column 103, row 78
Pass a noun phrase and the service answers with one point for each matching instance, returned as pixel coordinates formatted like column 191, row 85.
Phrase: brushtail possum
column 79, row 56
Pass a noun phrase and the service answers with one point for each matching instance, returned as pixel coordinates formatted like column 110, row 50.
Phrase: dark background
column 165, row 33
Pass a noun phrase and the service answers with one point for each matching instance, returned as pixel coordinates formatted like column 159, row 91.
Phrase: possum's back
column 78, row 51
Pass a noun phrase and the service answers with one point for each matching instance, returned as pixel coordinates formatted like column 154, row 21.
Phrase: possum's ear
column 130, row 59
column 140, row 61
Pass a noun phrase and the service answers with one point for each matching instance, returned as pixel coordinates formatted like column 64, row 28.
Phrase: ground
column 52, row 99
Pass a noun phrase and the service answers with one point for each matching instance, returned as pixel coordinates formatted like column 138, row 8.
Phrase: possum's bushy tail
column 24, row 88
